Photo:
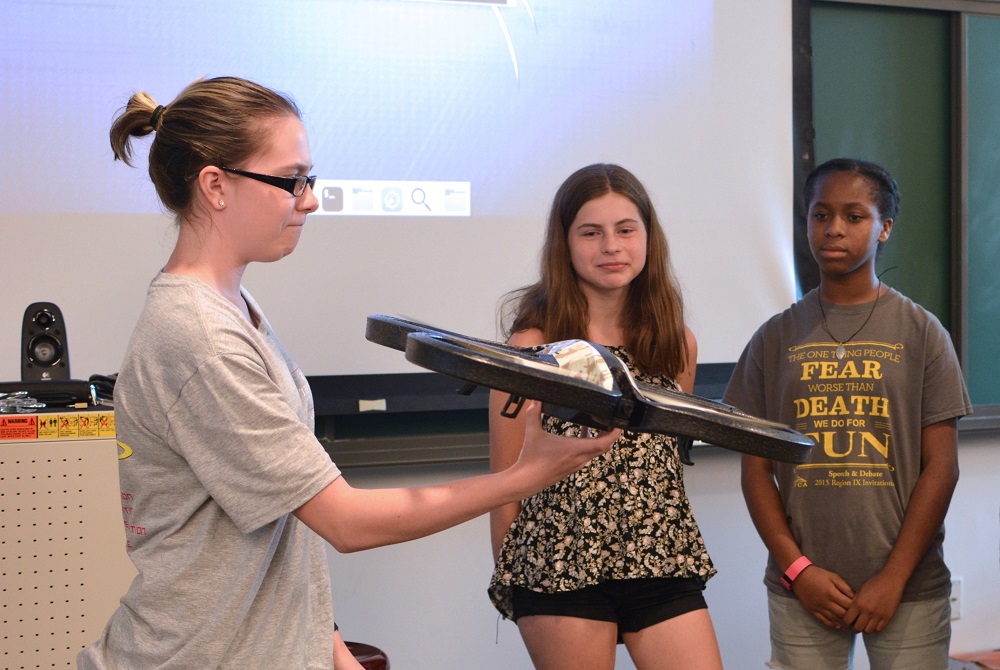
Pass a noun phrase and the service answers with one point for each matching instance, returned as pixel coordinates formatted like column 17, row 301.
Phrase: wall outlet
column 956, row 598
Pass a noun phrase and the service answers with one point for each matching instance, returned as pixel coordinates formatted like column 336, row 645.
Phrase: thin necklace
column 841, row 352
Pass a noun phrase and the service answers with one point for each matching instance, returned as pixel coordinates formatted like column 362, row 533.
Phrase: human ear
column 886, row 230
column 212, row 187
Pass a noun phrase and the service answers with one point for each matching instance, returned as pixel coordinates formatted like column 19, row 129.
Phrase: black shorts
column 633, row 604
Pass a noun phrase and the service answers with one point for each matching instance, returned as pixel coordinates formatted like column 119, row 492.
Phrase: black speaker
column 44, row 352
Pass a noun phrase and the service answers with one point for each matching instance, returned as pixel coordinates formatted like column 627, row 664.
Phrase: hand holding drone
column 585, row 383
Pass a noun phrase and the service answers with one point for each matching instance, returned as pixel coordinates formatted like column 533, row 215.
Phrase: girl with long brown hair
column 612, row 553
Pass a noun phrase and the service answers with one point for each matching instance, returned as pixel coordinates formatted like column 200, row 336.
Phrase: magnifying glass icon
column 420, row 198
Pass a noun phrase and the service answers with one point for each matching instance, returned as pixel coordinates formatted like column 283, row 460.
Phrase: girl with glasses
column 232, row 494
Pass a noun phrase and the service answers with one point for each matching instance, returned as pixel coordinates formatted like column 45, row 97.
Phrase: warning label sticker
column 106, row 424
column 18, row 427
column 89, row 425
column 53, row 426
column 48, row 427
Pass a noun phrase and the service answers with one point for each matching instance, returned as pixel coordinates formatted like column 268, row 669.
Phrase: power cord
column 105, row 385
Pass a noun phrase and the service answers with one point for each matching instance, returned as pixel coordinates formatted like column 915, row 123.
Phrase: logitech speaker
column 44, row 352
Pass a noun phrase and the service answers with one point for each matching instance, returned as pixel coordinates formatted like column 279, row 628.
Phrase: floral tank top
column 625, row 515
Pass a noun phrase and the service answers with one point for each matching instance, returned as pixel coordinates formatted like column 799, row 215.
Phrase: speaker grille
column 44, row 347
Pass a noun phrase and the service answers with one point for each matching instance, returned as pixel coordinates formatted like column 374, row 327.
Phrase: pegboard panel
column 63, row 564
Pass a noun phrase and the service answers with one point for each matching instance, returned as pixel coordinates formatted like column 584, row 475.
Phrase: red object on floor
column 370, row 658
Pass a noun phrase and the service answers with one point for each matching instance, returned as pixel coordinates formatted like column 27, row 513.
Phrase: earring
column 222, row 203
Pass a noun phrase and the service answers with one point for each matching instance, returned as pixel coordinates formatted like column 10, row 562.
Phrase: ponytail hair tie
column 154, row 118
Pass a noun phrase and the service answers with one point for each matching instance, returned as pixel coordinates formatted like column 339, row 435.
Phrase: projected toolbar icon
column 419, row 197
column 342, row 197
column 392, row 200
column 333, row 198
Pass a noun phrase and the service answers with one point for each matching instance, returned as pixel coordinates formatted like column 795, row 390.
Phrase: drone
column 584, row 382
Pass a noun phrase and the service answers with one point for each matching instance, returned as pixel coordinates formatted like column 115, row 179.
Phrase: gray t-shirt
column 215, row 426
column 866, row 411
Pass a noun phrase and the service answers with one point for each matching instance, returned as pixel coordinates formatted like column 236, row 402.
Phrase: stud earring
column 222, row 203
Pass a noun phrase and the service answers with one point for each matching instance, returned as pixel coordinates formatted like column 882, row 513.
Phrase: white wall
column 401, row 91
column 972, row 543
column 425, row 602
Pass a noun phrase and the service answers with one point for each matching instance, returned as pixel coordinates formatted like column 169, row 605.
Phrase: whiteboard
column 506, row 97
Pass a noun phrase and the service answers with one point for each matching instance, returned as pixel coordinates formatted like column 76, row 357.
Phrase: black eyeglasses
column 294, row 185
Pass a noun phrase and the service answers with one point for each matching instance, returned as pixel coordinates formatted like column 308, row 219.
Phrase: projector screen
column 439, row 131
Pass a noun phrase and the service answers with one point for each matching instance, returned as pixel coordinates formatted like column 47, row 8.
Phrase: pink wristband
column 793, row 571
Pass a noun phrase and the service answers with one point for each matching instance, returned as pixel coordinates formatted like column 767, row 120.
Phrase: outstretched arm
column 823, row 593
column 879, row 597
column 354, row 519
